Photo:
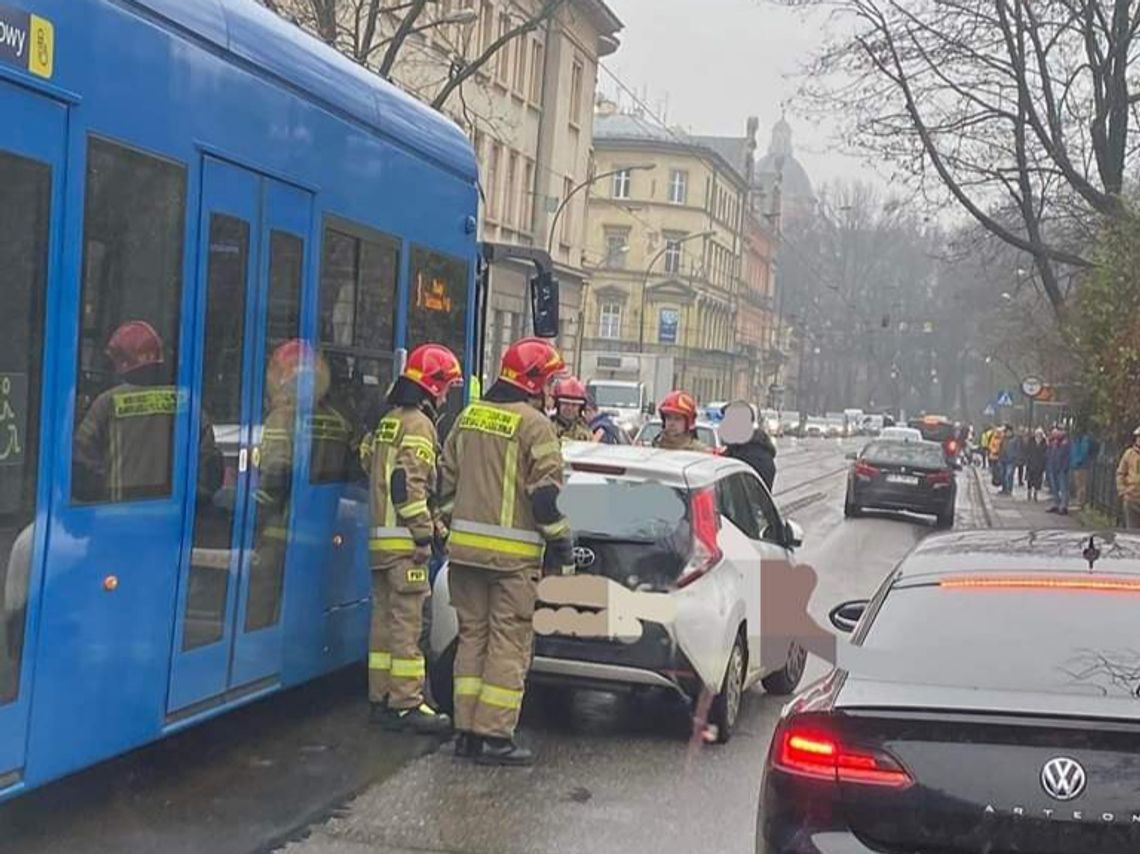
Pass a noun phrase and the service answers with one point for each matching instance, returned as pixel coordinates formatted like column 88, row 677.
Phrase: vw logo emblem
column 584, row 557
column 1063, row 778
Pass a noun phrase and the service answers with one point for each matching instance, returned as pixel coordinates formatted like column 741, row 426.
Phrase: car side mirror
column 544, row 305
column 793, row 535
column 852, row 456
column 846, row 617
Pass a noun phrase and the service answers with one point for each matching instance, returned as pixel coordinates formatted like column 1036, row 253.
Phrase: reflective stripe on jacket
column 495, row 458
column 405, row 440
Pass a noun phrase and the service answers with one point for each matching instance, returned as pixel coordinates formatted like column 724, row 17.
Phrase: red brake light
column 812, row 753
column 863, row 469
column 705, row 524
column 1094, row 583
column 937, row 477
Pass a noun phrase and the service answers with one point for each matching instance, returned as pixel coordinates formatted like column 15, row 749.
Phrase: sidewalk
column 1015, row 511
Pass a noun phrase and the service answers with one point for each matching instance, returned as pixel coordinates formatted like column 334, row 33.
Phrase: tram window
column 226, row 273
column 24, row 225
column 134, row 230
column 275, row 453
column 437, row 305
column 359, row 275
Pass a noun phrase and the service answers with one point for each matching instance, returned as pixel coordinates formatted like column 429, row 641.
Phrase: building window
column 486, row 26
column 622, row 184
column 672, row 255
column 512, row 192
column 536, row 72
column 577, row 72
column 492, row 188
column 616, row 250
column 527, row 203
column 133, row 233
column 503, row 66
column 679, row 187
column 520, row 66
column 609, row 320
column 567, row 236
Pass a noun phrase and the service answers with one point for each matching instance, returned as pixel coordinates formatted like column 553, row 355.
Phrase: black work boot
column 377, row 712
column 504, row 751
column 468, row 745
column 421, row 720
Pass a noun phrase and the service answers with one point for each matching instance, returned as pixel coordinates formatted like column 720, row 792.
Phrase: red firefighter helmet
column 679, row 403
column 570, row 389
column 529, row 363
column 288, row 360
column 133, row 345
column 433, row 368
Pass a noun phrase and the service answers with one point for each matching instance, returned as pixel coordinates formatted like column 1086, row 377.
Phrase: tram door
column 31, row 179
column 229, row 637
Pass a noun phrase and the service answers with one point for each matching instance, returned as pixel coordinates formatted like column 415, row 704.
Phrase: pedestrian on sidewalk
column 997, row 435
column 1007, row 456
column 1023, row 440
column 1057, row 462
column 1035, row 464
column 1081, row 455
column 1128, row 482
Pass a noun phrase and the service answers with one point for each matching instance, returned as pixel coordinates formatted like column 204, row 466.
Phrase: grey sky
column 719, row 61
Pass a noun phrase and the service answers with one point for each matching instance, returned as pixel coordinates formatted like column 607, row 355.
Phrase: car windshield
column 1051, row 641
column 615, row 396
column 652, row 430
column 621, row 509
column 920, row 454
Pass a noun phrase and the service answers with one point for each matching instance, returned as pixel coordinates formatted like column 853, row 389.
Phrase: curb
column 984, row 498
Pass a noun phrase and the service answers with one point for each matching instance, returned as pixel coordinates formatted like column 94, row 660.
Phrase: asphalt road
column 304, row 773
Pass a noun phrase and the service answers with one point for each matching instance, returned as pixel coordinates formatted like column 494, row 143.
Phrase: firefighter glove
column 559, row 557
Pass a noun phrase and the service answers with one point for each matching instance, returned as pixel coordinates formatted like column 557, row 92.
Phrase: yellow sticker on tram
column 27, row 41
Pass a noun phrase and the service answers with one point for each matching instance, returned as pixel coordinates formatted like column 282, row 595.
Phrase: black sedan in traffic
column 989, row 701
column 902, row 475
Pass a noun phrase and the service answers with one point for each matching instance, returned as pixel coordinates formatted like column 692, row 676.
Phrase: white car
column 901, row 434
column 668, row 548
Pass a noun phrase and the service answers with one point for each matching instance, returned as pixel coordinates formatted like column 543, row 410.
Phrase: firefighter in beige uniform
column 569, row 401
column 403, row 461
column 678, row 413
column 500, row 476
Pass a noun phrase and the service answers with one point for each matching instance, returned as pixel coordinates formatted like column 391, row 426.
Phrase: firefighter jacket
column 497, row 458
column 684, row 442
column 123, row 444
column 575, row 431
column 403, row 478
column 1128, row 477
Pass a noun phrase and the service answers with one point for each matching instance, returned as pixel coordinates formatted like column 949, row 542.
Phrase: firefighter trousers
column 495, row 610
column 395, row 661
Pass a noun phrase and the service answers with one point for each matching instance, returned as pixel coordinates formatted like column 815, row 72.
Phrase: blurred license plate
column 909, row 480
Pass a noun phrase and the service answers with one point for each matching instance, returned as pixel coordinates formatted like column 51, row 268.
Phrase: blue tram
column 204, row 172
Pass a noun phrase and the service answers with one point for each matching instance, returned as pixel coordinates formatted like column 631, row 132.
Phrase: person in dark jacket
column 1035, row 464
column 758, row 449
column 601, row 424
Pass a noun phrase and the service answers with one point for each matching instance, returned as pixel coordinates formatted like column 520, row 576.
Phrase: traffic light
column 544, row 304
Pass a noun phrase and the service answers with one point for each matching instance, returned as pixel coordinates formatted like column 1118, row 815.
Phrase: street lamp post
column 642, row 167
column 649, row 272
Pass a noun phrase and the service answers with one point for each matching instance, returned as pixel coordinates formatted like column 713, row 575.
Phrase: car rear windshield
column 623, row 509
column 937, row 432
column 906, row 454
column 1017, row 639
column 619, row 397
column 653, row 429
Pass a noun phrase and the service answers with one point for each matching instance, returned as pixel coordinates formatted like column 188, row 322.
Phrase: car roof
column 993, row 551
column 687, row 469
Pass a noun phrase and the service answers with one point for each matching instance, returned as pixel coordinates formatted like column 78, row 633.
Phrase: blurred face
column 569, row 411
column 674, row 425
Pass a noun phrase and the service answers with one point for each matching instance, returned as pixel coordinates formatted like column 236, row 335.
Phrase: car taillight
column 718, row 452
column 939, row 478
column 811, row 752
column 863, row 469
column 706, row 525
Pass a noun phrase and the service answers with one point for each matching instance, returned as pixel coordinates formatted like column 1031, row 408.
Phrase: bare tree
column 358, row 28
column 1022, row 110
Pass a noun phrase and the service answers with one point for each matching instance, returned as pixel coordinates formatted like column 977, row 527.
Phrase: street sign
column 1004, row 398
column 989, row 410
column 1032, row 386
